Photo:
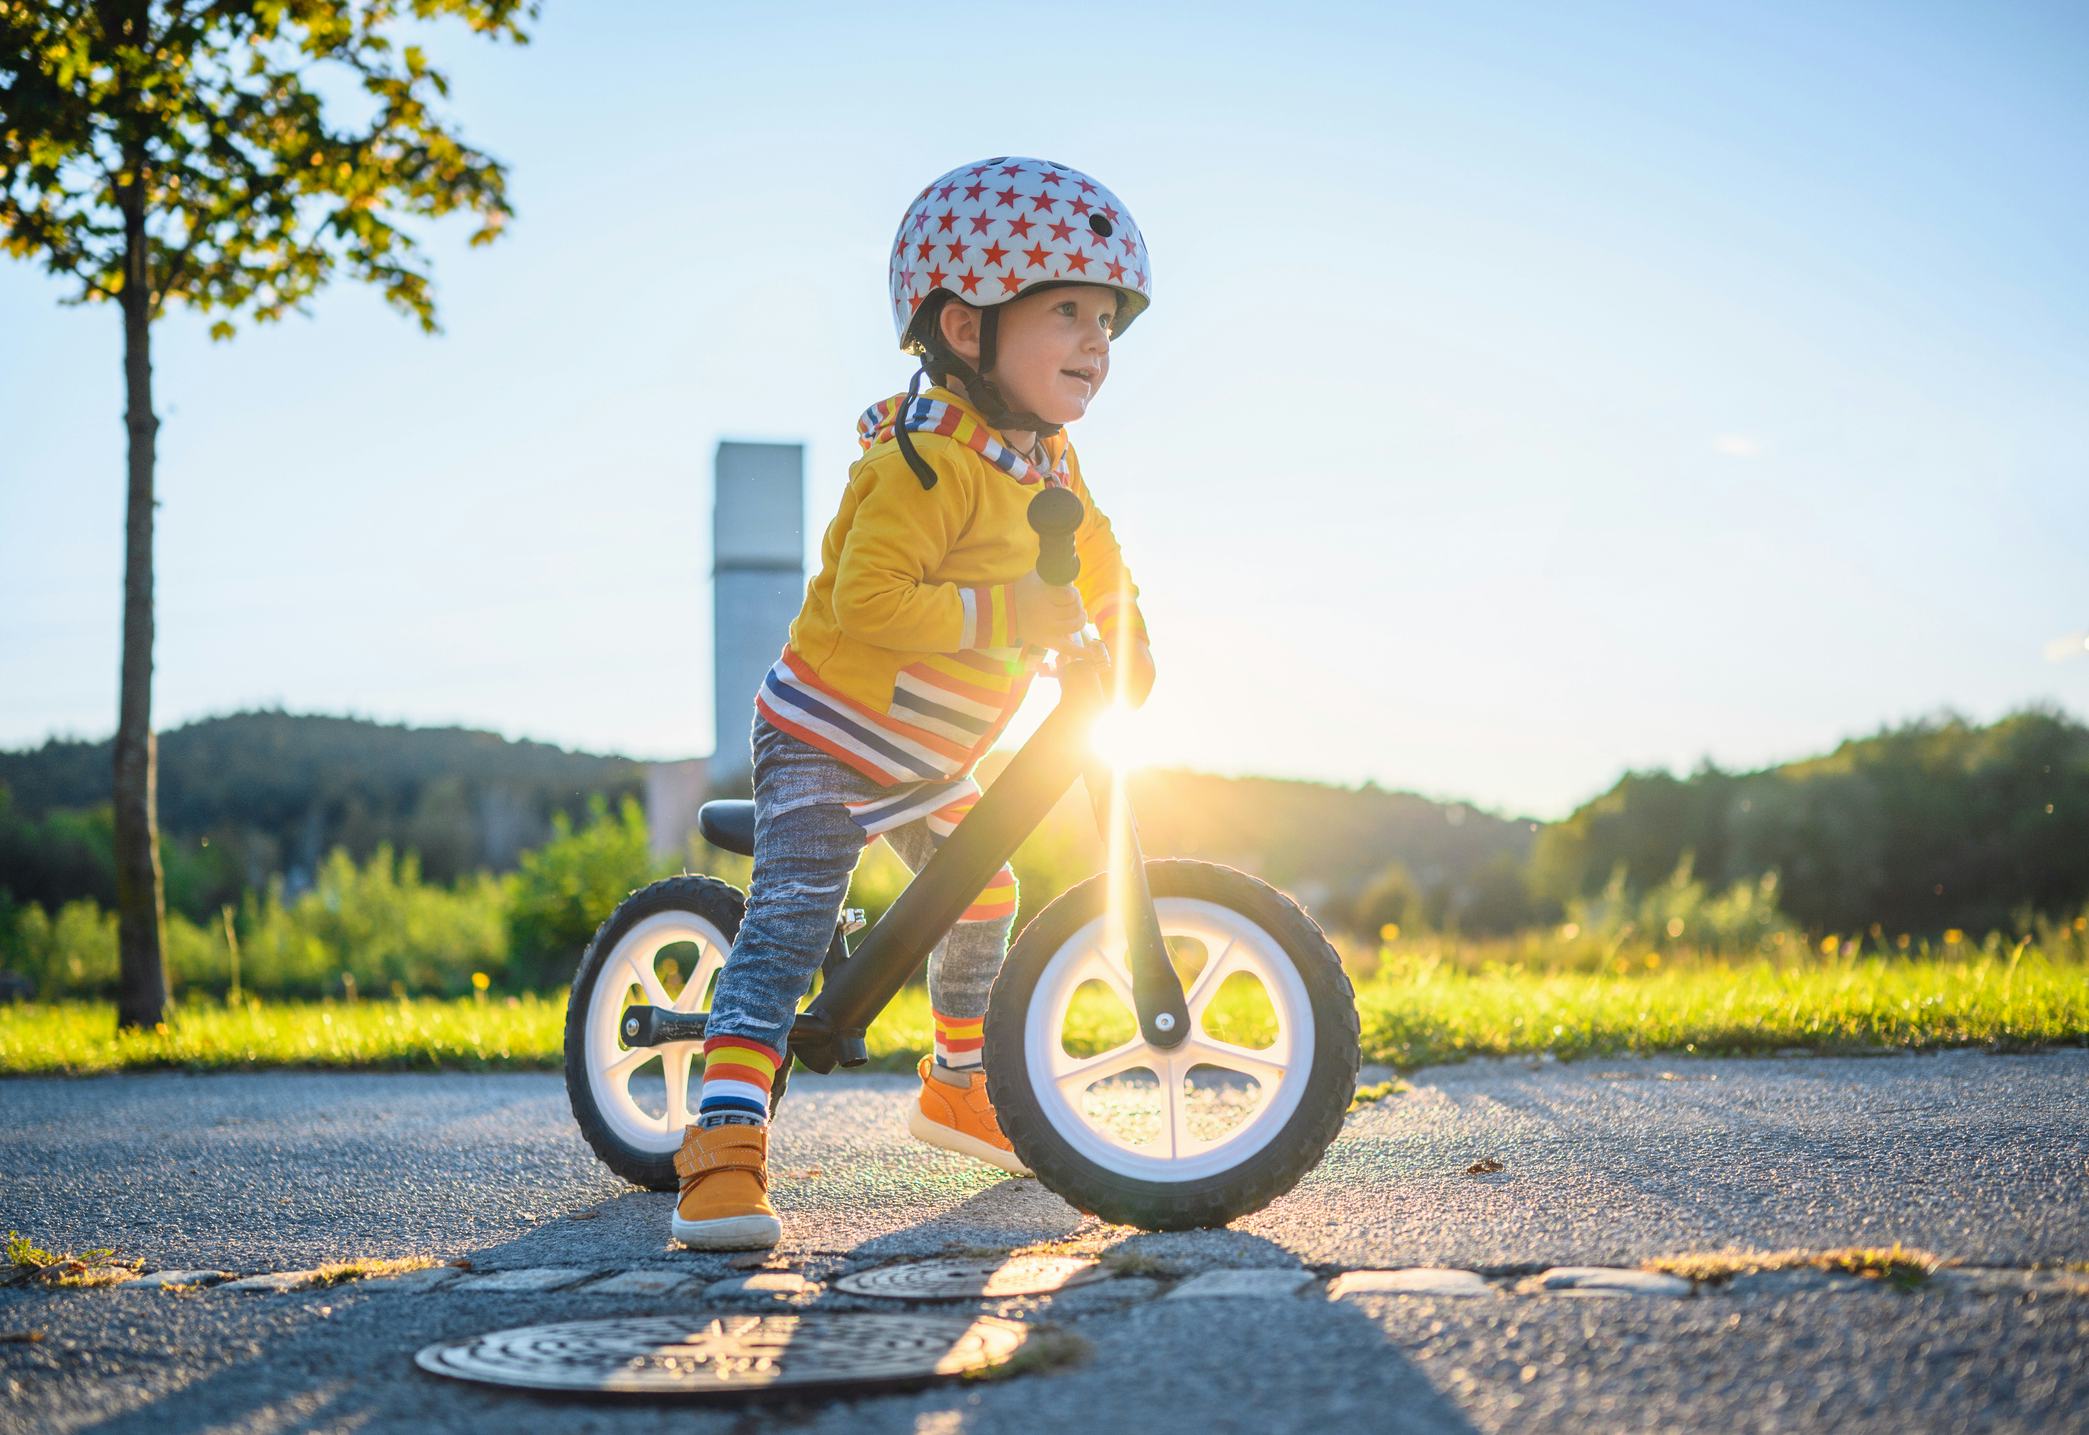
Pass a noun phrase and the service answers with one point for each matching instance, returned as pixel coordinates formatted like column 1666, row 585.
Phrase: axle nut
column 1164, row 1022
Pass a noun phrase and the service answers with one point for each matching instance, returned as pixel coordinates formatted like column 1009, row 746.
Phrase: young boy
column 1009, row 278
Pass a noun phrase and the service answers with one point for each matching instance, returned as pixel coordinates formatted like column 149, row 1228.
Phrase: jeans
column 805, row 848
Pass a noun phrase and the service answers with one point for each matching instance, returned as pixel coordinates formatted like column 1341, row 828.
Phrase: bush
column 566, row 887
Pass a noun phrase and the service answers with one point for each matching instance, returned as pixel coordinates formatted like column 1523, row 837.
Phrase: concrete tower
column 757, row 583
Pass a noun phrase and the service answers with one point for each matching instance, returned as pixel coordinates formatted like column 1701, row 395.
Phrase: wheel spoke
column 692, row 993
column 1100, row 967
column 649, row 979
column 1076, row 1079
column 618, row 1073
column 1178, row 1117
column 1209, row 1051
column 1208, row 981
column 676, row 1060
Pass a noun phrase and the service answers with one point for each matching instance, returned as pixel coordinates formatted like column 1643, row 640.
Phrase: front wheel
column 1206, row 1131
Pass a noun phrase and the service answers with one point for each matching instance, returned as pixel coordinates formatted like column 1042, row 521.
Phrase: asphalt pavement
column 1978, row 1158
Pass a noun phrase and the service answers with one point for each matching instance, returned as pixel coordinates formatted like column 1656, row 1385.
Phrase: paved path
column 1979, row 1158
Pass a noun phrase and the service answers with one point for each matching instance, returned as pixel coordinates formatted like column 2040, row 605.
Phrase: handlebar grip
column 1055, row 514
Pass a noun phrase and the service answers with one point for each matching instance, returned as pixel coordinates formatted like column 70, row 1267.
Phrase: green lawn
column 1414, row 1013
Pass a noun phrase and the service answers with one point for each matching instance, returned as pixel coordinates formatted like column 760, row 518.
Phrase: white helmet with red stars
column 988, row 232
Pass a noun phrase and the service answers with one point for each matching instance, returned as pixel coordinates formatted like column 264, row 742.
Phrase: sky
column 1530, row 393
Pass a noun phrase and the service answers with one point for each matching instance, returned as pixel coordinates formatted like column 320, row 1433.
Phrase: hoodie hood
column 941, row 412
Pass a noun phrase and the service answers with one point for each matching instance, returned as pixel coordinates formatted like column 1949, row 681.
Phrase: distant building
column 674, row 790
column 757, row 583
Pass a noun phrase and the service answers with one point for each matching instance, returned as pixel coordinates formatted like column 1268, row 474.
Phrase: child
column 1009, row 278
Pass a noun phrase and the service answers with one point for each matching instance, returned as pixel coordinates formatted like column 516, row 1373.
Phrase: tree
column 179, row 153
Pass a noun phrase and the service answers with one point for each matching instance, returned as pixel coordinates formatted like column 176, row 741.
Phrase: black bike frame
column 829, row 1032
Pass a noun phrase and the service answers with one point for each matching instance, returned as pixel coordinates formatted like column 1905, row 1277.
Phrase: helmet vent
column 1101, row 225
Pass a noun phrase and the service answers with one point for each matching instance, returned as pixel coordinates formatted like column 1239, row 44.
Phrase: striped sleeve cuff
column 989, row 616
column 1117, row 616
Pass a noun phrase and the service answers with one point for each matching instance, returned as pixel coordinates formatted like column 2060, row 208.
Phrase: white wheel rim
column 1059, row 1082
column 611, row 1065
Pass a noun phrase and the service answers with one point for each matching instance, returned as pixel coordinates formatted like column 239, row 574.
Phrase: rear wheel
column 1197, row 1134
column 663, row 946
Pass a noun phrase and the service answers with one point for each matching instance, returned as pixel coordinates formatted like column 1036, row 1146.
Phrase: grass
column 1895, row 1265
column 30, row 1264
column 1415, row 1011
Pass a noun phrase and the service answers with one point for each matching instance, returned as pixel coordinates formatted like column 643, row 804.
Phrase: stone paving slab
column 425, row 1279
column 175, row 1280
column 1607, row 1280
column 539, row 1278
column 1416, row 1280
column 275, row 1282
column 761, row 1285
column 643, row 1283
column 1243, row 1285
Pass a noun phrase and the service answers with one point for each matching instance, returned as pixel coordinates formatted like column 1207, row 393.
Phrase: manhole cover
column 988, row 1278
column 729, row 1354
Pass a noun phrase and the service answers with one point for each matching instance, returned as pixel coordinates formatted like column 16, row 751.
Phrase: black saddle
column 729, row 825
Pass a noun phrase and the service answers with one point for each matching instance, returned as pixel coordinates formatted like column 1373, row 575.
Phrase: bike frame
column 861, row 982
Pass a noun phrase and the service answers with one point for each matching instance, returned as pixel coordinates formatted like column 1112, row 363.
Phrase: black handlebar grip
column 1055, row 514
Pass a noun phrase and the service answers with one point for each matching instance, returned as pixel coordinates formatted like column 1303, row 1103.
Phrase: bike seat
column 728, row 824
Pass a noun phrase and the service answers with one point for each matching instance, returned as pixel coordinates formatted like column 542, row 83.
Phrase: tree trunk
column 141, row 904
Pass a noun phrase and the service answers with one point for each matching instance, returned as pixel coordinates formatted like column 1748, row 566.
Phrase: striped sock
column 738, row 1073
column 958, row 1042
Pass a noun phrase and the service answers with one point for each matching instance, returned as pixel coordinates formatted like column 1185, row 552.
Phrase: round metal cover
column 988, row 1278
column 728, row 1355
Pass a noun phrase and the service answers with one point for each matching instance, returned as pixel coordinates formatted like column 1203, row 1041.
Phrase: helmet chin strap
column 982, row 391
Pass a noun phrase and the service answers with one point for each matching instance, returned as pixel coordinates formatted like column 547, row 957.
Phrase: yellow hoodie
column 903, row 662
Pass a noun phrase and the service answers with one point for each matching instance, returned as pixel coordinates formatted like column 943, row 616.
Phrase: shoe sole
column 935, row 1133
column 728, row 1233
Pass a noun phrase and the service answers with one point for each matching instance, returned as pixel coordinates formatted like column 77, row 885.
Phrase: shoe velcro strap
column 693, row 1162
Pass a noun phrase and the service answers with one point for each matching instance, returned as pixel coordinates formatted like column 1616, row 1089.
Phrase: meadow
column 1420, row 1003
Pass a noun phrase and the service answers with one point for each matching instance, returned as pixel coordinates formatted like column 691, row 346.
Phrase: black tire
column 1258, row 1178
column 717, row 903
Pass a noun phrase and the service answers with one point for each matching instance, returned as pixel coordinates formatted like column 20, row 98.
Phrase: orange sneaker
column 961, row 1119
column 724, row 1205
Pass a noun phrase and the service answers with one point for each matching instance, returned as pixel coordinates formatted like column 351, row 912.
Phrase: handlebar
column 1055, row 514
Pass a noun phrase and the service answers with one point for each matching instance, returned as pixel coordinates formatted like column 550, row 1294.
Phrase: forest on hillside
column 446, row 851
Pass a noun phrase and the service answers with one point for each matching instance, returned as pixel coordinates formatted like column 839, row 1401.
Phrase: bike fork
column 1164, row 1018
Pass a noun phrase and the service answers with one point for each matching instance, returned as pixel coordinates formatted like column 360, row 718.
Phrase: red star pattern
column 957, row 252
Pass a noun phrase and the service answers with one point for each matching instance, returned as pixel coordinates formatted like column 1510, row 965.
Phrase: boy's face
column 1053, row 348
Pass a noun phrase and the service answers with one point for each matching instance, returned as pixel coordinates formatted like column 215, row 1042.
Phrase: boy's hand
column 1046, row 614
column 1138, row 673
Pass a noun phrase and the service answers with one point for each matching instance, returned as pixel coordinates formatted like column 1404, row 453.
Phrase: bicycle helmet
column 993, row 231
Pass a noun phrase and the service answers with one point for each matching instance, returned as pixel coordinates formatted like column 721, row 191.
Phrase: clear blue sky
column 1531, row 391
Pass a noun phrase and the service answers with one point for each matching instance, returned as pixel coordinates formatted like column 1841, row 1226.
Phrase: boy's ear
column 959, row 324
